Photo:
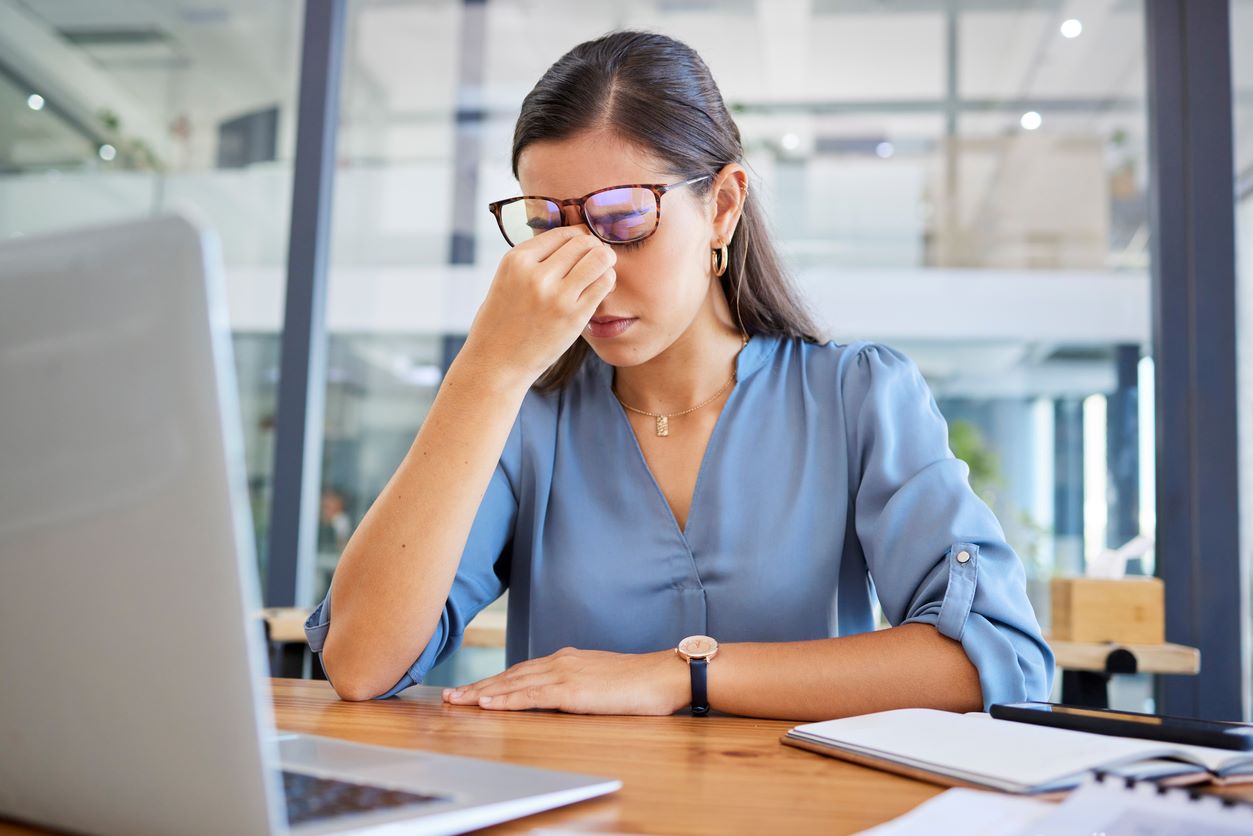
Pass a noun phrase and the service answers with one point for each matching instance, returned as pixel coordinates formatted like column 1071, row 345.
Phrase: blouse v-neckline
column 748, row 359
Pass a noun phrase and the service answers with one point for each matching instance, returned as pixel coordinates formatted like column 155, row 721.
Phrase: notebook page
column 1025, row 754
column 1230, row 761
column 1219, row 759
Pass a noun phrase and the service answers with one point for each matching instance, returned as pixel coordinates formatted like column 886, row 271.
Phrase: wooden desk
column 680, row 774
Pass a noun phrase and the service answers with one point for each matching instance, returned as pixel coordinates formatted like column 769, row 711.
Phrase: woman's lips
column 609, row 326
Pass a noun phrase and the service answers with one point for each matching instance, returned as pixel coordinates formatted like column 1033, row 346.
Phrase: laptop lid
column 127, row 567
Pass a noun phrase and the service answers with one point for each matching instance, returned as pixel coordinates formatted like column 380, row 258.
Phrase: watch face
column 698, row 647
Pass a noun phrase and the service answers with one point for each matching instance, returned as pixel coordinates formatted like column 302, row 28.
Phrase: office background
column 1033, row 198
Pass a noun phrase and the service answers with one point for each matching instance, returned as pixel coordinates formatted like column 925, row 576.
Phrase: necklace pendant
column 663, row 425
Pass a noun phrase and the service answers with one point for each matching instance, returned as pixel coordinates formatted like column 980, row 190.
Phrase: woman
column 645, row 442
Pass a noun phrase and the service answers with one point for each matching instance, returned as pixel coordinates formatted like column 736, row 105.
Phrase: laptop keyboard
column 310, row 798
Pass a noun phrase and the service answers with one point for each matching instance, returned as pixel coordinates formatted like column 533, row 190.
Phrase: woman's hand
column 544, row 292
column 585, row 682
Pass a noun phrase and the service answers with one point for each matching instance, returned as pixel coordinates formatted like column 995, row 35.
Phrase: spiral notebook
column 1102, row 804
column 976, row 750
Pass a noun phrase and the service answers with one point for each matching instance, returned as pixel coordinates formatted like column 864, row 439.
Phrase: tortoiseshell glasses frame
column 556, row 214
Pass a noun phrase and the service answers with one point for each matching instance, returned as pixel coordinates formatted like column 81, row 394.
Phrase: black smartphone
column 1219, row 734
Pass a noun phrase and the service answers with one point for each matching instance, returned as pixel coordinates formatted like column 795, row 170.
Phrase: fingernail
column 446, row 692
column 484, row 700
column 456, row 693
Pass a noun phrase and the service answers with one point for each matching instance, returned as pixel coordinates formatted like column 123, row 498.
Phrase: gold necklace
column 663, row 421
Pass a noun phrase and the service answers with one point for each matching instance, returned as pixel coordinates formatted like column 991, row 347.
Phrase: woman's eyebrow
column 649, row 179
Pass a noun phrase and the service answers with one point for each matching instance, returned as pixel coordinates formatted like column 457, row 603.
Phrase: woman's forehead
column 576, row 166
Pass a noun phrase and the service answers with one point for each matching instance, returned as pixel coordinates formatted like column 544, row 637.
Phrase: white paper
column 970, row 812
column 1139, row 811
column 1107, row 809
column 1112, row 563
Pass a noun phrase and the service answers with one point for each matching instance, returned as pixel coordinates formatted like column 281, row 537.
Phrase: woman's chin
column 618, row 351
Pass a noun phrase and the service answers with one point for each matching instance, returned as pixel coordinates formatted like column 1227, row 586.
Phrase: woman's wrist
column 675, row 680
column 486, row 372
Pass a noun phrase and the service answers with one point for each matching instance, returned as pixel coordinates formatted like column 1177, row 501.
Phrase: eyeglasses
column 615, row 214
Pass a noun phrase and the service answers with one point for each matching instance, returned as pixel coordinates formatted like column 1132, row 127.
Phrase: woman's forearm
column 393, row 579
column 910, row 666
column 902, row 667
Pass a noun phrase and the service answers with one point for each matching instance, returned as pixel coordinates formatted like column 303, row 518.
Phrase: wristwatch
column 697, row 651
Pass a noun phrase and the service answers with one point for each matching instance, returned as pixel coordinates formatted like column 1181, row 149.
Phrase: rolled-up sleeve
column 934, row 550
column 482, row 575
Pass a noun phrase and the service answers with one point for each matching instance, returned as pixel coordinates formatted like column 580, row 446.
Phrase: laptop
column 133, row 692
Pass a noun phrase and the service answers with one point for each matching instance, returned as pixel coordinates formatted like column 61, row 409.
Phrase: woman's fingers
column 594, row 293
column 489, row 693
column 492, row 684
column 571, row 253
column 532, row 696
column 582, row 682
column 546, row 243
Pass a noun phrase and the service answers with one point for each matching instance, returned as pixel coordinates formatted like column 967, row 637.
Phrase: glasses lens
column 524, row 219
column 622, row 215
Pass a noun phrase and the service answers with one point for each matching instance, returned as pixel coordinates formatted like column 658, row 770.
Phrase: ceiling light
column 1071, row 28
column 107, row 152
column 791, row 142
column 1031, row 120
column 35, row 101
column 884, row 150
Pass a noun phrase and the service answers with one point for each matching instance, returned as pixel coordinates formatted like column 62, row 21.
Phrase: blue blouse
column 827, row 480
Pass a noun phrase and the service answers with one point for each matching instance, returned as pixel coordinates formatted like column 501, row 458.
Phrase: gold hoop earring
column 719, row 259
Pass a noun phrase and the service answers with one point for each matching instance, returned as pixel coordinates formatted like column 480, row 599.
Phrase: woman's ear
column 730, row 190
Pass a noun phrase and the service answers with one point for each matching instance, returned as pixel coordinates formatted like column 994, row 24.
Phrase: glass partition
column 124, row 110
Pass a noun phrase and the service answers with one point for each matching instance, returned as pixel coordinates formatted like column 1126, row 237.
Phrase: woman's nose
column 573, row 215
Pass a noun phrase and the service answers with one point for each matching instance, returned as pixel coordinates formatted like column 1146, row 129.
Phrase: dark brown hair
column 656, row 93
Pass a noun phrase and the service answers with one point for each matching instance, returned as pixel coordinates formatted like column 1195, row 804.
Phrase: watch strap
column 700, row 699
